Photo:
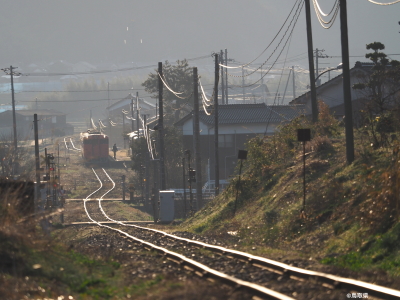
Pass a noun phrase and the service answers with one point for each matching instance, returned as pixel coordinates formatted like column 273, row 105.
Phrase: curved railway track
column 259, row 276
column 69, row 144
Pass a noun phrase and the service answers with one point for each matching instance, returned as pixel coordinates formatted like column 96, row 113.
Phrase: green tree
column 380, row 86
column 179, row 78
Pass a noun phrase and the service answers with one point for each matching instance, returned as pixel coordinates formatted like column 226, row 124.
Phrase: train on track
column 95, row 147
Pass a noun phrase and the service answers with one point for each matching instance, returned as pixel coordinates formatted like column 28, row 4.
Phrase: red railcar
column 95, row 147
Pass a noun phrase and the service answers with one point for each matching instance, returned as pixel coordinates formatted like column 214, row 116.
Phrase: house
column 116, row 109
column 237, row 124
column 51, row 123
column 331, row 92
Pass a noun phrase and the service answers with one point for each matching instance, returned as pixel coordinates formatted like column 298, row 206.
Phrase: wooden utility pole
column 348, row 111
column 196, row 139
column 216, row 152
column 314, row 105
column 163, row 185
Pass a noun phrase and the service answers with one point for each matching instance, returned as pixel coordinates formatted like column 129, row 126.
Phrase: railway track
column 69, row 144
column 259, row 276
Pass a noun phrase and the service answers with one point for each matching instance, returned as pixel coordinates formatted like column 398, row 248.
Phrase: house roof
column 248, row 113
column 40, row 112
column 365, row 66
column 127, row 100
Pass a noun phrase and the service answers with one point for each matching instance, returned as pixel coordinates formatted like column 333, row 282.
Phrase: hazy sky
column 156, row 30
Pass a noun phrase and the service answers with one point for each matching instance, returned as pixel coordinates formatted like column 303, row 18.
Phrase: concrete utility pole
column 243, row 88
column 37, row 161
column 222, row 78
column 294, row 84
column 161, row 127
column 348, row 110
column 137, row 114
column 132, row 113
column 147, row 163
column 196, row 139
column 9, row 71
column 216, row 153
column 314, row 104
column 226, row 77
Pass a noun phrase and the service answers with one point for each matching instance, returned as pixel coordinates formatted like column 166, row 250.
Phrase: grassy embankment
column 352, row 211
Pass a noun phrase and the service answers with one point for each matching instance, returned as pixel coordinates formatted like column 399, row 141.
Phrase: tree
column 381, row 89
column 173, row 158
column 180, row 79
column 381, row 85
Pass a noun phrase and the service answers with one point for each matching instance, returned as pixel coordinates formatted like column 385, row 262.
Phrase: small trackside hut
column 95, row 147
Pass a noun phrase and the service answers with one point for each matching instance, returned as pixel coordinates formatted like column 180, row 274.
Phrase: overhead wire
column 294, row 18
column 103, row 71
column 283, row 25
column 320, row 14
column 284, row 46
column 379, row 3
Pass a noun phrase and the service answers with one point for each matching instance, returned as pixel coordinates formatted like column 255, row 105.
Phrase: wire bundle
column 320, row 14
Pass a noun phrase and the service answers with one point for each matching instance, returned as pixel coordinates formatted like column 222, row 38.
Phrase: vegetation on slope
column 351, row 210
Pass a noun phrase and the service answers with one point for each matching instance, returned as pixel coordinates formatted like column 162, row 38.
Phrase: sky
column 157, row 30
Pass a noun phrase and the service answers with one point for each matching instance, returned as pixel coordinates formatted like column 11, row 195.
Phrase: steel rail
column 73, row 146
column 327, row 280
column 194, row 266
column 65, row 143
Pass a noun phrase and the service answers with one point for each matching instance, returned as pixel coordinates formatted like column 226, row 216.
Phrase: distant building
column 51, row 123
column 331, row 92
column 237, row 124
column 125, row 105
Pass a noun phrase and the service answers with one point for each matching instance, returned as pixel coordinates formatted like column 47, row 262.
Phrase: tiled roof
column 40, row 112
column 366, row 66
column 249, row 113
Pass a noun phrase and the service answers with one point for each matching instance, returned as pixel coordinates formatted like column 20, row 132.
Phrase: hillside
column 351, row 213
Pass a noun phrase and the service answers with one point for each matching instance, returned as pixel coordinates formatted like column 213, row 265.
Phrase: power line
column 283, row 25
column 284, row 46
column 379, row 3
column 104, row 71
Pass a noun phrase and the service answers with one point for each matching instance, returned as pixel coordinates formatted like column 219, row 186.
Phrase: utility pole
column 132, row 114
column 147, row 163
column 318, row 54
column 123, row 129
column 137, row 114
column 184, row 185
column 37, row 161
column 226, row 77
column 348, row 110
column 294, row 84
column 216, row 153
column 108, row 97
column 243, row 89
column 161, row 126
column 314, row 105
column 222, row 79
column 9, row 71
column 196, row 139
